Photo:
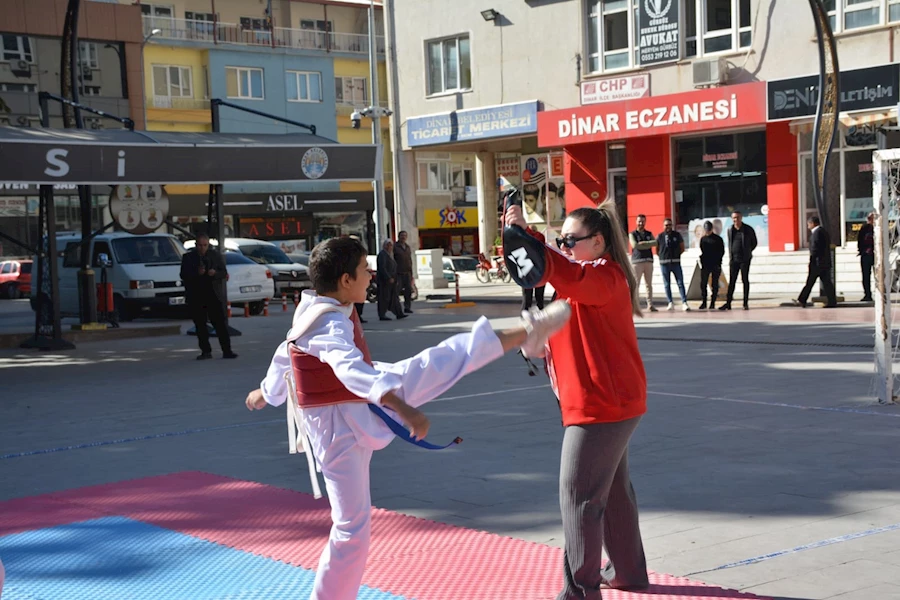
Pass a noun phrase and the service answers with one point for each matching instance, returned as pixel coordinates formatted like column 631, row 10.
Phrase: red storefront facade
column 651, row 128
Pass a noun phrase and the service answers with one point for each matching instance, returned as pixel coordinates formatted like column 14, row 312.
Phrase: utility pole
column 374, row 112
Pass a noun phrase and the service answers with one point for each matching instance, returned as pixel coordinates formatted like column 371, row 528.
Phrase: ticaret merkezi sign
column 473, row 124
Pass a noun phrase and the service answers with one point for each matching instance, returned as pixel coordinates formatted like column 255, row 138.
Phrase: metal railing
column 233, row 33
column 177, row 102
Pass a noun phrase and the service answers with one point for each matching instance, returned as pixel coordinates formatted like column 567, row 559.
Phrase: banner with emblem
column 658, row 31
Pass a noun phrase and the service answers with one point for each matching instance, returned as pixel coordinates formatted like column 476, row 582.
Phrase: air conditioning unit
column 20, row 68
column 709, row 72
column 87, row 74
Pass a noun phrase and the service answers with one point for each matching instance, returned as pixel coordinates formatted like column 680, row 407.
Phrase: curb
column 12, row 340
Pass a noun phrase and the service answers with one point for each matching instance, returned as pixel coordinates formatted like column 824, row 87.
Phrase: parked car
column 144, row 270
column 248, row 282
column 462, row 265
column 15, row 278
column 301, row 258
column 288, row 275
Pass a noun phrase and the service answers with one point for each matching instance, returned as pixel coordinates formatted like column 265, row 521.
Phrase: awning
column 875, row 118
column 119, row 156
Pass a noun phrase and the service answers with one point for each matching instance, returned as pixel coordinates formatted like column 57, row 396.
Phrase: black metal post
column 219, row 190
column 47, row 322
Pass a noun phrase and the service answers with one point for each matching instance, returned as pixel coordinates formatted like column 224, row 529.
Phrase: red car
column 15, row 278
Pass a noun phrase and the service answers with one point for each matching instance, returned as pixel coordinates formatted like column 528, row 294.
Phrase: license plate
column 296, row 284
column 176, row 301
column 247, row 289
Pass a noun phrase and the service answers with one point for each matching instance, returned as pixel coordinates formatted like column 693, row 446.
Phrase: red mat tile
column 410, row 557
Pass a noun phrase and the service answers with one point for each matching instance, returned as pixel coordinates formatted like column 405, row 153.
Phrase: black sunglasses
column 570, row 240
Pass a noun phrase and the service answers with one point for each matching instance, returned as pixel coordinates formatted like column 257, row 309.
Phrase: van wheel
column 256, row 308
column 121, row 310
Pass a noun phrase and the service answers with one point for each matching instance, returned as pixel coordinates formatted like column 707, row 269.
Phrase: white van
column 145, row 271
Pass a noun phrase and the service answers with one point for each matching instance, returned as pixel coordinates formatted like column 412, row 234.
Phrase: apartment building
column 302, row 61
column 108, row 71
column 686, row 109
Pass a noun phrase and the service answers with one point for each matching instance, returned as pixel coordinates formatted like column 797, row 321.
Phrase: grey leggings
column 598, row 505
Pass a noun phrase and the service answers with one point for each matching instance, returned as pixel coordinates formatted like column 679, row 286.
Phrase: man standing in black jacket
column 712, row 249
column 741, row 244
column 204, row 275
column 865, row 246
column 819, row 263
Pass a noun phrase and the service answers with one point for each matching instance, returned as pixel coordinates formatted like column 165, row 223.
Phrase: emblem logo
column 314, row 163
column 657, row 9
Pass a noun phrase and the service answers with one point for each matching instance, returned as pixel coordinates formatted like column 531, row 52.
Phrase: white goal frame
column 885, row 195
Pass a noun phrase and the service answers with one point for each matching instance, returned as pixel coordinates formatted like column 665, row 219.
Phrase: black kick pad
column 526, row 257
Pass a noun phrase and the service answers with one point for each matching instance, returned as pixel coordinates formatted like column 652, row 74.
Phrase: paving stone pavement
column 762, row 440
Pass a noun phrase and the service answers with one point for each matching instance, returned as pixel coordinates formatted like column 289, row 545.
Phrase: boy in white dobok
column 339, row 394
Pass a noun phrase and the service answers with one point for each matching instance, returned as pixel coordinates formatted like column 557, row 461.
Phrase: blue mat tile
column 115, row 558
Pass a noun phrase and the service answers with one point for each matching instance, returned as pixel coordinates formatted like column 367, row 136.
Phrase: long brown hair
column 605, row 220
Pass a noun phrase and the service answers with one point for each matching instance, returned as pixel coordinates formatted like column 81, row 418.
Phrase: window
column 17, row 47
column 146, row 250
column 254, row 24
column 441, row 176
column 87, row 54
column 612, row 35
column 17, row 87
column 317, row 25
column 198, row 22
column 172, row 81
column 847, row 15
column 152, row 10
column 303, row 87
column 449, row 65
column 244, row 82
column 726, row 26
column 352, row 91
column 90, row 90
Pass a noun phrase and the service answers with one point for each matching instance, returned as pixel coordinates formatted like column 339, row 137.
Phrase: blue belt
column 404, row 434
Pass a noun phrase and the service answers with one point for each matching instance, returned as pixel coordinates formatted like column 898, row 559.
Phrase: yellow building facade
column 176, row 88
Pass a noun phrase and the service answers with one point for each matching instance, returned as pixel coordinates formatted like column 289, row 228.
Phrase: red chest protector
column 317, row 385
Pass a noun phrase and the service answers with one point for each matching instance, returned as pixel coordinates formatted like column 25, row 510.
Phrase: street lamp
column 153, row 32
column 376, row 112
column 490, row 14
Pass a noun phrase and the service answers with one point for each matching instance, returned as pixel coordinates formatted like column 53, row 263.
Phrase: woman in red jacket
column 598, row 376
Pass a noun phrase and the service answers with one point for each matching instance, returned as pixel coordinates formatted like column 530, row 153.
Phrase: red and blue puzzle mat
column 197, row 536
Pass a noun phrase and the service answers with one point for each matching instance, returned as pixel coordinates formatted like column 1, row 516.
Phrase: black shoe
column 229, row 355
column 702, row 306
column 401, row 316
column 385, row 319
column 867, row 299
column 361, row 320
column 725, row 307
column 205, row 356
column 799, row 303
column 408, row 311
column 746, row 307
column 831, row 305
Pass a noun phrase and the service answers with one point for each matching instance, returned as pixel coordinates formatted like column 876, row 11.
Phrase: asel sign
column 708, row 109
column 613, row 89
column 861, row 89
column 284, row 202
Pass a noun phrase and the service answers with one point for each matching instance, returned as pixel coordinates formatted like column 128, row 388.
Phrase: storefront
column 295, row 221
column 869, row 98
column 691, row 157
column 454, row 229
column 19, row 213
column 463, row 159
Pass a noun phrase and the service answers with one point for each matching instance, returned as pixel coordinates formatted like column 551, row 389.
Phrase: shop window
column 244, row 83
column 726, row 26
column 612, row 39
column 449, row 65
column 848, row 15
column 717, row 175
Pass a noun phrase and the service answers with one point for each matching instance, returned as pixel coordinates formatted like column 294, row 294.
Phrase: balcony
column 233, row 33
column 177, row 103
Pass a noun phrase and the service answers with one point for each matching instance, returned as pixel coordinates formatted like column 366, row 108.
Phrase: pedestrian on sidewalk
column 712, row 250
column 404, row 260
column 598, row 376
column 642, row 245
column 204, row 275
column 347, row 406
column 819, row 263
column 865, row 248
column 741, row 244
column 669, row 248
column 386, row 273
